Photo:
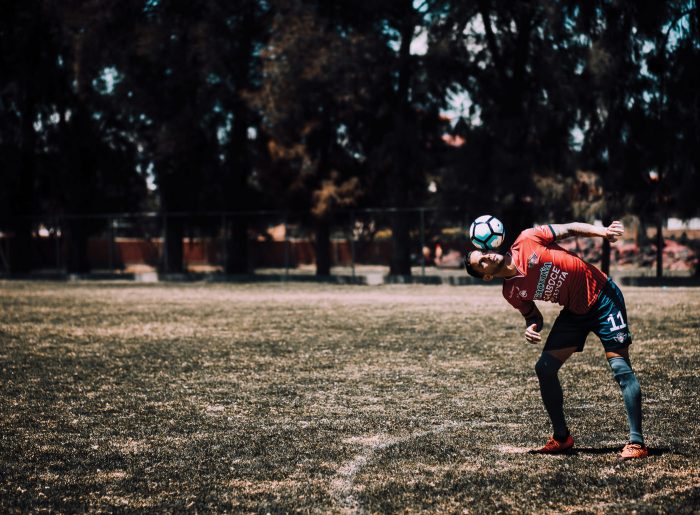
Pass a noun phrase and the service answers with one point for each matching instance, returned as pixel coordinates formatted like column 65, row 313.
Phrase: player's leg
column 567, row 336
column 613, row 331
column 547, row 369
column 632, row 396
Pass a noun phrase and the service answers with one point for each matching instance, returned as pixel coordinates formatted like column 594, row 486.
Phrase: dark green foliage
column 64, row 151
column 311, row 106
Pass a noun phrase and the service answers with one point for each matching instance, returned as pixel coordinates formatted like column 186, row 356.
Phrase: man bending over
column 536, row 268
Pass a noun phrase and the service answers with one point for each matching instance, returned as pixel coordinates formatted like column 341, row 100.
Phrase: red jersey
column 548, row 272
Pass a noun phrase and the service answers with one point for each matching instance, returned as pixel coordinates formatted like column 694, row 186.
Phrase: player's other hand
column 614, row 231
column 531, row 334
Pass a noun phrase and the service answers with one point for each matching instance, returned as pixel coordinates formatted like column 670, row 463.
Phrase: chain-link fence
column 204, row 242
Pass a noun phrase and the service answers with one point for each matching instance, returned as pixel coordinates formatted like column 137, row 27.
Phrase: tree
column 231, row 43
column 516, row 67
column 677, row 105
column 402, row 135
column 68, row 155
column 92, row 146
column 402, row 142
column 638, row 137
column 185, row 69
column 315, row 83
column 28, row 88
column 157, row 53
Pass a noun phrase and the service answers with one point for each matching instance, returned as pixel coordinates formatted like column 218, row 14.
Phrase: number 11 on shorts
column 613, row 324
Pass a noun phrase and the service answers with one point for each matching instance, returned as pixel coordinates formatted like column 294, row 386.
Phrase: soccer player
column 536, row 268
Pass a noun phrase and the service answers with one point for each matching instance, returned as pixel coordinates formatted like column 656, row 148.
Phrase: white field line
column 341, row 486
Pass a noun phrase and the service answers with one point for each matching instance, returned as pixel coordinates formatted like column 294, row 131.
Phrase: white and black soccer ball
column 487, row 232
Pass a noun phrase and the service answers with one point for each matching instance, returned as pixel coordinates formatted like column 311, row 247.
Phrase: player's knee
column 624, row 375
column 620, row 367
column 547, row 366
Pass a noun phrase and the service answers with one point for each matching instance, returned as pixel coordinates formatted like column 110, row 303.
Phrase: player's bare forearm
column 532, row 316
column 562, row 231
column 533, row 322
column 611, row 233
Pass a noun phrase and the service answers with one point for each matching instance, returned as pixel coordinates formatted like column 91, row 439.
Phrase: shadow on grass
column 653, row 451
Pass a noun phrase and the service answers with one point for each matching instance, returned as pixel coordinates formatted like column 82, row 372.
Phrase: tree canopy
column 311, row 107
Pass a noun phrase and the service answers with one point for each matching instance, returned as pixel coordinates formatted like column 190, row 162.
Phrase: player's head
column 484, row 265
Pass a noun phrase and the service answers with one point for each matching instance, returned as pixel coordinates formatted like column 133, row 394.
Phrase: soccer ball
column 487, row 232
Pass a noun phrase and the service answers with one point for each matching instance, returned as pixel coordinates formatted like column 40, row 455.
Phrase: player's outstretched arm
column 610, row 233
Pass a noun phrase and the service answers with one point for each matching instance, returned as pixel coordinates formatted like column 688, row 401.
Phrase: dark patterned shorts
column 607, row 319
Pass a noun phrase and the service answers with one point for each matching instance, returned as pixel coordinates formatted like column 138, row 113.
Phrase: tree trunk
column 323, row 247
column 403, row 135
column 76, row 246
column 21, row 251
column 401, row 245
column 516, row 218
column 172, row 246
column 20, row 248
column 237, row 259
column 659, row 247
column 605, row 255
column 237, row 192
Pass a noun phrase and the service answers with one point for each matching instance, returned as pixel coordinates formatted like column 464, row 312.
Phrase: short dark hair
column 470, row 268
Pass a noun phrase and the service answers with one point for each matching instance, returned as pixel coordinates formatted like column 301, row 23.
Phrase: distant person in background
column 536, row 268
column 438, row 253
column 446, row 257
column 427, row 258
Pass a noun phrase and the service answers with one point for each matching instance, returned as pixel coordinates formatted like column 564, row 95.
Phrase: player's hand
column 614, row 231
column 531, row 334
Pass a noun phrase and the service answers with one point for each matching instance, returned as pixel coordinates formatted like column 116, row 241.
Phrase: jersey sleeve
column 542, row 234
column 528, row 310
column 524, row 306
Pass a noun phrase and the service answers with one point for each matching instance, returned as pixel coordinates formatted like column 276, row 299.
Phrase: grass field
column 319, row 398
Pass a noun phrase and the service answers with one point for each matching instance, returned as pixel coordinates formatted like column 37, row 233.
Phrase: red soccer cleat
column 633, row 451
column 555, row 446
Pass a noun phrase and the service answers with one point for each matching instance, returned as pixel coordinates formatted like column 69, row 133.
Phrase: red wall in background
column 47, row 253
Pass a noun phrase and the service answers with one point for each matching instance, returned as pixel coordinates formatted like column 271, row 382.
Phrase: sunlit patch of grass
column 285, row 397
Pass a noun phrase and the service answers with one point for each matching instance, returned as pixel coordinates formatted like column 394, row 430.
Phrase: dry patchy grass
column 278, row 398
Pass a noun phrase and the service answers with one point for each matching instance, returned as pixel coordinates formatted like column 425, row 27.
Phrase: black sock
column 552, row 396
